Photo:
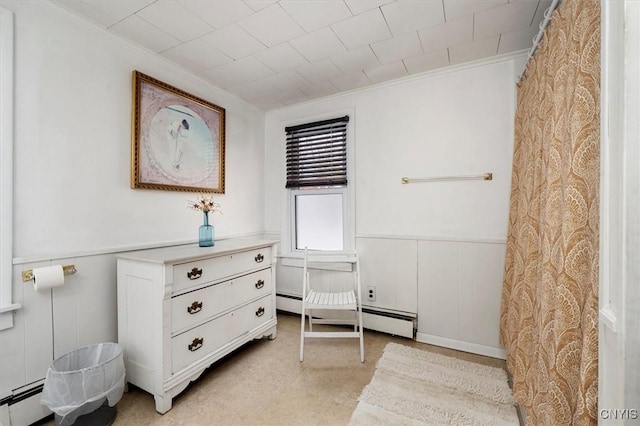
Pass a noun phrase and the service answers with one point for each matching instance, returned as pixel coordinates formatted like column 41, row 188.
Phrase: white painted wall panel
column 26, row 349
column 488, row 266
column 438, row 292
column 390, row 266
column 459, row 292
column 83, row 309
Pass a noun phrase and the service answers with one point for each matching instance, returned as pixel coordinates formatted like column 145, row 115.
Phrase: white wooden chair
column 330, row 298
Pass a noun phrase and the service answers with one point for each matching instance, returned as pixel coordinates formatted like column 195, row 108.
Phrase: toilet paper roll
column 48, row 277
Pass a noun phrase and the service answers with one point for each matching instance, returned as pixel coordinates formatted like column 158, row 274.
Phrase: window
column 317, row 179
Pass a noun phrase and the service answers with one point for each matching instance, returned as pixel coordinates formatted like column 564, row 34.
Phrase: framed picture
column 177, row 141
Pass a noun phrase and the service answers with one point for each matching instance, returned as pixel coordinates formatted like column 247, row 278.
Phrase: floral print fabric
column 549, row 315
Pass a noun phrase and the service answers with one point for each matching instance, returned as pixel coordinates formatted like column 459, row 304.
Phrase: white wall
column 453, row 122
column 449, row 123
column 619, row 322
column 73, row 141
column 72, row 197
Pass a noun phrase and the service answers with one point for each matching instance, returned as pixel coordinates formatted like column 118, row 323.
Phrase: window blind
column 317, row 153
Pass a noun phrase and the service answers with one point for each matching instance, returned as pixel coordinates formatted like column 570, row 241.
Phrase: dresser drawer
column 199, row 342
column 198, row 306
column 200, row 272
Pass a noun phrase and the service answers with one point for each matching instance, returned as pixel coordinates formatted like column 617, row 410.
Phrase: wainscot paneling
column 389, row 267
column 459, row 292
column 51, row 323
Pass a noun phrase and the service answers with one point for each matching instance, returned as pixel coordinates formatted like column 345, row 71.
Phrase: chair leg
column 302, row 320
column 361, row 335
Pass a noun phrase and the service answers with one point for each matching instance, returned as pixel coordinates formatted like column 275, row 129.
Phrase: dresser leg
column 272, row 336
column 163, row 403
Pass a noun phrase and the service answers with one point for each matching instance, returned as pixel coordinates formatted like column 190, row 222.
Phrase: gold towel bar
column 67, row 270
column 485, row 176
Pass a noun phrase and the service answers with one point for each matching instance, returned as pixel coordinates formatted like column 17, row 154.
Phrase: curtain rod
column 538, row 38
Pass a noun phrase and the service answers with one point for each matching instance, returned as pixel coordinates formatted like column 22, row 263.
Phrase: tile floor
column 264, row 383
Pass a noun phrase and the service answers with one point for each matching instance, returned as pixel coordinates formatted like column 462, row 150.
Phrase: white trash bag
column 80, row 381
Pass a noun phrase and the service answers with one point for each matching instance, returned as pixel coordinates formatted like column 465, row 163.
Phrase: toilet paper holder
column 66, row 269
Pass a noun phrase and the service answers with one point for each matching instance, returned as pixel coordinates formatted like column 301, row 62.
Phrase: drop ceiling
column 277, row 53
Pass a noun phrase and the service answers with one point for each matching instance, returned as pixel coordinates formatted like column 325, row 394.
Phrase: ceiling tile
column 218, row 13
column 256, row 89
column 318, row 71
column 175, row 20
column 193, row 51
column 318, row 45
column 312, row 15
column 248, row 69
column 266, row 50
column 140, row 31
column 398, row 47
column 267, row 103
column 233, row 41
column 281, row 57
column 271, row 26
column 455, row 9
column 175, row 57
column 319, row 89
column 259, row 4
column 475, row 50
column 356, row 60
column 359, row 6
column 502, row 19
column 429, row 61
column 386, row 72
column 362, row 29
column 406, row 16
column 351, row 81
column 292, row 96
column 223, row 78
column 448, row 34
column 517, row 40
column 287, row 80
column 105, row 12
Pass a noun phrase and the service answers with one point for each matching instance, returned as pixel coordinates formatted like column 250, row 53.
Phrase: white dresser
column 182, row 308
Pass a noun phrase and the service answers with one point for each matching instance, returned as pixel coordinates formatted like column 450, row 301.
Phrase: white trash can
column 84, row 386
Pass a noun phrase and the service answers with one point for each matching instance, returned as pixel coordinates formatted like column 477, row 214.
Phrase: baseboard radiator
column 387, row 321
column 23, row 406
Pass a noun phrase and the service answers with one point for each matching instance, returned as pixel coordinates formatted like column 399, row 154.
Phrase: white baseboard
column 460, row 345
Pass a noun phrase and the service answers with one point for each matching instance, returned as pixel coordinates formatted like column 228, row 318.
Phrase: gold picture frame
column 178, row 139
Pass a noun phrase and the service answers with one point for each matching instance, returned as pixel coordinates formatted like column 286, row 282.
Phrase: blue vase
column 207, row 233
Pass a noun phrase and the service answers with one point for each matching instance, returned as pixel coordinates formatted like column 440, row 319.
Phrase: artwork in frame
column 177, row 139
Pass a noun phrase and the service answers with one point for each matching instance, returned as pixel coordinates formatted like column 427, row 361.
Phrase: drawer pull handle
column 260, row 284
column 259, row 258
column 260, row 311
column 194, row 274
column 196, row 344
column 194, row 308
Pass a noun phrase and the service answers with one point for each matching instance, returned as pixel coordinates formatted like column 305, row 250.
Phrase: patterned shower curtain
column 549, row 316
